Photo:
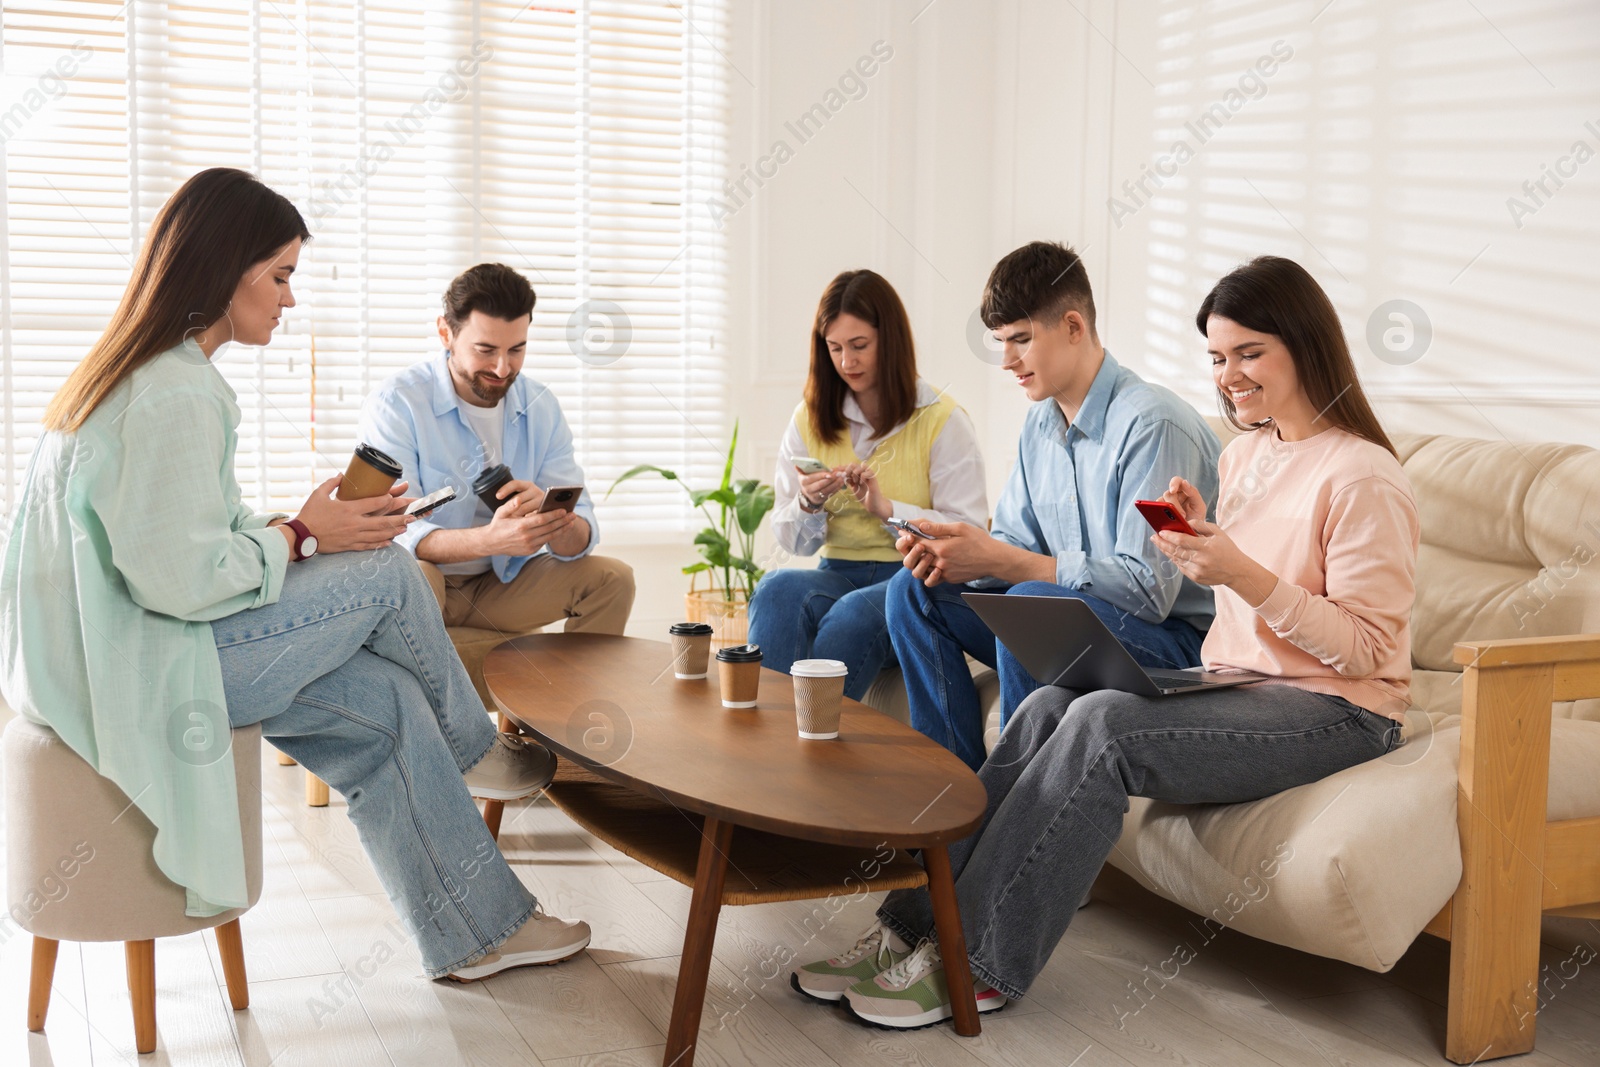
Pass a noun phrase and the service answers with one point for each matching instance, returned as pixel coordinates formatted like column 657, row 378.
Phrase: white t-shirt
column 490, row 426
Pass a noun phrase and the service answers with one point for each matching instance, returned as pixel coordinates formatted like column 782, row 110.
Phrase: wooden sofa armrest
column 1508, row 687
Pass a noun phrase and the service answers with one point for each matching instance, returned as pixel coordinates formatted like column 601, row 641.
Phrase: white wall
column 1381, row 155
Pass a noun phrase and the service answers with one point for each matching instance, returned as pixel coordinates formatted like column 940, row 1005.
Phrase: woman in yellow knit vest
column 891, row 445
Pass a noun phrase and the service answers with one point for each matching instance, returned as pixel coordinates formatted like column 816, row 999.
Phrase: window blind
column 574, row 142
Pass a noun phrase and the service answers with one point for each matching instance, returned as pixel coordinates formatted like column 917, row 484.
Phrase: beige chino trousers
column 594, row 594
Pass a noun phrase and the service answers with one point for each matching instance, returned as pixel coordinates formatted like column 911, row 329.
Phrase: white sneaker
column 542, row 940
column 513, row 768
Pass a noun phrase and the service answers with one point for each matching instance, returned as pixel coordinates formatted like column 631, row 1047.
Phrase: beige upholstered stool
column 79, row 868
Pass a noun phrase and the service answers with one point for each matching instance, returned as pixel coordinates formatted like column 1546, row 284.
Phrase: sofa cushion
column 1351, row 867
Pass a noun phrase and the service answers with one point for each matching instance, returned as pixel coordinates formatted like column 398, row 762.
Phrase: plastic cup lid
column 689, row 629
column 818, row 668
column 740, row 654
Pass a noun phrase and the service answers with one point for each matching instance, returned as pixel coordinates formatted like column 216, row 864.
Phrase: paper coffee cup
column 740, row 670
column 818, row 697
column 371, row 473
column 691, row 649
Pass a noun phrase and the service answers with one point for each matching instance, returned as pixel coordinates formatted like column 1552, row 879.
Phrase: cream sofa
column 1354, row 867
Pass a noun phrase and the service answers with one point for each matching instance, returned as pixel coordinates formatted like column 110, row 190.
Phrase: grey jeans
column 1060, row 778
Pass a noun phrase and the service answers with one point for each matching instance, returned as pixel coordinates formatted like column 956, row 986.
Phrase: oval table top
column 612, row 704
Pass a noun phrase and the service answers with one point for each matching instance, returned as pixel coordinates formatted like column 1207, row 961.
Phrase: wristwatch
column 305, row 542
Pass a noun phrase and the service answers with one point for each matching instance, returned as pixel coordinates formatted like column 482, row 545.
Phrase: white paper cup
column 818, row 697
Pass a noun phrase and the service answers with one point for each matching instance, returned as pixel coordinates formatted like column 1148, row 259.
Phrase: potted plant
column 727, row 546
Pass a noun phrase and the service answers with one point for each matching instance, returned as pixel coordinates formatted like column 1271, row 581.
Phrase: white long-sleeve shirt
column 955, row 477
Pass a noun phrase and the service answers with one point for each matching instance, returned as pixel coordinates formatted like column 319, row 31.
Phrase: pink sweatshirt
column 1333, row 517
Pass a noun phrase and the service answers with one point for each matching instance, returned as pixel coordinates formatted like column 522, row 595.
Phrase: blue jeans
column 352, row 674
column 934, row 629
column 833, row 612
column 1059, row 783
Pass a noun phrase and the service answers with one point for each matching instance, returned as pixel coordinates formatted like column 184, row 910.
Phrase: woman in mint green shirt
column 144, row 610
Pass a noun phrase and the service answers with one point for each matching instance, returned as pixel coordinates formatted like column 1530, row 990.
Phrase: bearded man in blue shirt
column 452, row 417
column 1097, row 438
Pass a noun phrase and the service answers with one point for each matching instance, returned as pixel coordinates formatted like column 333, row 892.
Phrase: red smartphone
column 1163, row 516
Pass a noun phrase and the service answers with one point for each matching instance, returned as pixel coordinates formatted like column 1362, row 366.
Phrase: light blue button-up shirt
column 415, row 417
column 1072, row 490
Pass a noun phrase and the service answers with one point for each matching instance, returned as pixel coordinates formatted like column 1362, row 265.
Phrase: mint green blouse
column 130, row 536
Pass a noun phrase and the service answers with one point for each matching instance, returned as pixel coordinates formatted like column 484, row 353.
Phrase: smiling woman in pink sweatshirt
column 1313, row 560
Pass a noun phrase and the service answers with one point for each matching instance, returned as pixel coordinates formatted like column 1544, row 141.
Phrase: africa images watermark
column 851, row 86
column 48, row 86
column 1252, row 85
column 1537, row 192
column 452, row 85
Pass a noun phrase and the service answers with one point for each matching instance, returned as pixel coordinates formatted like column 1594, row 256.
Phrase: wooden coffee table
column 660, row 770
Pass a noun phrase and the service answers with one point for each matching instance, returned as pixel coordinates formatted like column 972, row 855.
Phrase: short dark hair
column 1042, row 280
column 492, row 288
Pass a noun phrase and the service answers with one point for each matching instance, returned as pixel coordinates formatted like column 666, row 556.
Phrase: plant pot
column 729, row 618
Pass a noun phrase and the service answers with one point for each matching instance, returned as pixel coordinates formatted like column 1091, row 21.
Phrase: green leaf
column 714, row 547
column 722, row 496
column 727, row 470
column 643, row 468
column 751, row 504
column 697, row 568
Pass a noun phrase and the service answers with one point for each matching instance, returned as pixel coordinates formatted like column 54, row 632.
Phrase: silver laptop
column 1061, row 641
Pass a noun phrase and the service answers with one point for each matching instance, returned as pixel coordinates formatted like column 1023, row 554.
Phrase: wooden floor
column 333, row 982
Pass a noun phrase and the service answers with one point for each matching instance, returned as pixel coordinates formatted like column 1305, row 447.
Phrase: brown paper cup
column 740, row 682
column 691, row 655
column 818, row 697
column 362, row 480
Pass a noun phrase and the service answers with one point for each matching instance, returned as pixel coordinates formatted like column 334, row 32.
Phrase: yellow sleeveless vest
column 901, row 463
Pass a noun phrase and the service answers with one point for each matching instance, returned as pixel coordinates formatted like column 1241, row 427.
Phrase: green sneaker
column 912, row 994
column 826, row 980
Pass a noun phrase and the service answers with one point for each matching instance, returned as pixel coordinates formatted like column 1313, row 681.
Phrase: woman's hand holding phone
column 1187, row 499
column 354, row 525
column 1210, row 557
column 817, row 488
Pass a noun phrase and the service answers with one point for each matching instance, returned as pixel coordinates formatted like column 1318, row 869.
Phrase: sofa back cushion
column 1510, row 548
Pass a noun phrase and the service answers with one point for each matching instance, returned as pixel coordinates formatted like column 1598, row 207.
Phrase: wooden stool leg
column 952, row 941
column 493, row 810
column 683, row 1032
column 230, row 946
column 285, row 760
column 44, row 972
column 142, row 989
column 316, row 791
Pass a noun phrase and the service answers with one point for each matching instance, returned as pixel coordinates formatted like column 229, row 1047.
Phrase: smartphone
column 807, row 465
column 425, row 505
column 1162, row 516
column 560, row 498
column 900, row 526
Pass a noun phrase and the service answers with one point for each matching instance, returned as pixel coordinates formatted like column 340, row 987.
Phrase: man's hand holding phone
column 949, row 552
column 514, row 531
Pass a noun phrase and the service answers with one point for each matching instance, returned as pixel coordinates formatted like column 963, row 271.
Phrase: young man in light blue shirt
column 1097, row 438
column 467, row 409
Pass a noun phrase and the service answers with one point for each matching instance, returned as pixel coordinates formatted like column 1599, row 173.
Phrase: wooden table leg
column 690, row 997
column 952, row 940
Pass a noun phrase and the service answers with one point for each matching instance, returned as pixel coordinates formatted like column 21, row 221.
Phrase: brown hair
column 218, row 225
column 492, row 288
column 870, row 298
column 1278, row 296
column 1042, row 280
